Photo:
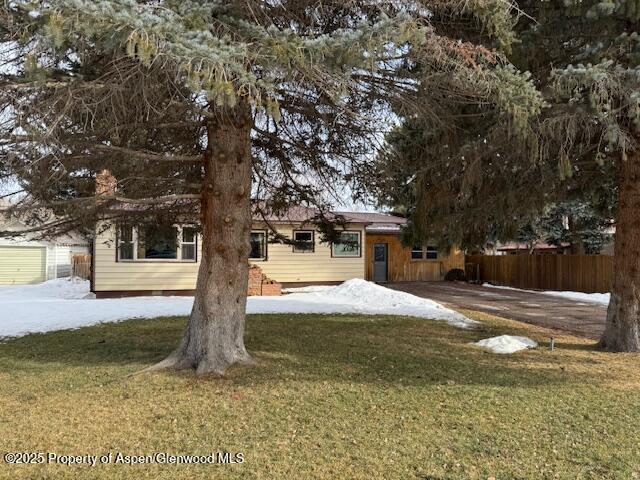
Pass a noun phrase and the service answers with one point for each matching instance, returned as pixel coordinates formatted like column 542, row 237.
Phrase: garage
column 20, row 265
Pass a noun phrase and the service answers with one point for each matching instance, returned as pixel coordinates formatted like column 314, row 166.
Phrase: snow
column 602, row 298
column 61, row 304
column 506, row 344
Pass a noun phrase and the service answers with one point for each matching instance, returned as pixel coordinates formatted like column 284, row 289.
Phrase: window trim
column 423, row 257
column 359, row 255
column 178, row 258
column 194, row 243
column 313, row 241
column 266, row 245
column 414, row 249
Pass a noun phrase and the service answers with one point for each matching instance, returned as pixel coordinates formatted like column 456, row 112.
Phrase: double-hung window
column 126, row 245
column 188, row 243
column 258, row 245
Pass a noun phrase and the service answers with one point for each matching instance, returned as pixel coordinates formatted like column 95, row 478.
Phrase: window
column 419, row 252
column 125, row 242
column 303, row 241
column 188, row 243
column 258, row 246
column 157, row 243
column 348, row 245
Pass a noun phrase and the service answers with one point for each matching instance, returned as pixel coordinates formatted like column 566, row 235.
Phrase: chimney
column 106, row 184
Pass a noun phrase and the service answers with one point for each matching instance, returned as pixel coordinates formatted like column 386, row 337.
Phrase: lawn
column 350, row 397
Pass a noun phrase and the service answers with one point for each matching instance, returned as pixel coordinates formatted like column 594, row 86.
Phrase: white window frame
column 423, row 253
column 178, row 258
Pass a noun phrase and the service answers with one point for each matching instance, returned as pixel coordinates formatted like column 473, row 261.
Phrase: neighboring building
column 538, row 248
column 165, row 260
column 24, row 260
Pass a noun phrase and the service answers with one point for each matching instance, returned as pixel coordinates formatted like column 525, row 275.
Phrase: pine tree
column 577, row 222
column 471, row 180
column 198, row 106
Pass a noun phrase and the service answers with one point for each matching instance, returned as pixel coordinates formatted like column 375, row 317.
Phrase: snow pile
column 60, row 304
column 602, row 298
column 506, row 344
column 360, row 297
column 69, row 288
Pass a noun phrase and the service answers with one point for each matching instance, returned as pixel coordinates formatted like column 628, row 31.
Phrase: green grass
column 350, row 397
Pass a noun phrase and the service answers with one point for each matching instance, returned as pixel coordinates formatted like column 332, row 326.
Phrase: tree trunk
column 622, row 332
column 214, row 337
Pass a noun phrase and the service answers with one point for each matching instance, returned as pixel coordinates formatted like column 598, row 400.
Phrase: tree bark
column 214, row 337
column 622, row 331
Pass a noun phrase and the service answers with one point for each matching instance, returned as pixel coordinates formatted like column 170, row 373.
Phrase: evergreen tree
column 576, row 222
column 472, row 180
column 197, row 106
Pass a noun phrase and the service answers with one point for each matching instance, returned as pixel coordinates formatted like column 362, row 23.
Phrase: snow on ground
column 602, row 298
column 506, row 344
column 60, row 304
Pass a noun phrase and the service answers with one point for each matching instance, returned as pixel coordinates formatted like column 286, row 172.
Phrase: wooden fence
column 578, row 273
column 81, row 265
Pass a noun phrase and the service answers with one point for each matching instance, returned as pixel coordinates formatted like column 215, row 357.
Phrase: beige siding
column 21, row 265
column 143, row 275
column 281, row 265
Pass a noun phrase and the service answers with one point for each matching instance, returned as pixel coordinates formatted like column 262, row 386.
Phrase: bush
column 455, row 275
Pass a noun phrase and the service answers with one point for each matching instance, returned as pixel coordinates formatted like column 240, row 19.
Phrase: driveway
column 585, row 319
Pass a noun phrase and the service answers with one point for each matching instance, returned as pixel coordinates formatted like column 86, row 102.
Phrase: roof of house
column 537, row 246
column 375, row 222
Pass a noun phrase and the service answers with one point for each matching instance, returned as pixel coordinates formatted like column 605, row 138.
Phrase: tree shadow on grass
column 342, row 348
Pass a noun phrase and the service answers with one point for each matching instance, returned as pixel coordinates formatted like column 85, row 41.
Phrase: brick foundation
column 260, row 284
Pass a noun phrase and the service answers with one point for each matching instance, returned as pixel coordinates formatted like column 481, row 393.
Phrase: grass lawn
column 350, row 397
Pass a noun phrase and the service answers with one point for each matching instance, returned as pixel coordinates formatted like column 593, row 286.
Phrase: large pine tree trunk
column 622, row 332
column 214, row 338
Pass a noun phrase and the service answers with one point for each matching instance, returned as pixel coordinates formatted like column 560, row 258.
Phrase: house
column 25, row 260
column 537, row 248
column 155, row 260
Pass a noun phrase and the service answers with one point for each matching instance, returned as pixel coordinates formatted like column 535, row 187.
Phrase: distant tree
column 584, row 59
column 575, row 222
column 197, row 106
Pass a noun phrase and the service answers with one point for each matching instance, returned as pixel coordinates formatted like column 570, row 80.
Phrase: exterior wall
column 281, row 265
column 58, row 251
column 22, row 264
column 57, row 257
column 400, row 266
column 110, row 275
column 60, row 259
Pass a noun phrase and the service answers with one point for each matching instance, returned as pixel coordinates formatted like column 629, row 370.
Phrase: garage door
column 22, row 265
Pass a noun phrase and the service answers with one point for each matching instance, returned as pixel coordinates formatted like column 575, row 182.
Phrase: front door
column 380, row 262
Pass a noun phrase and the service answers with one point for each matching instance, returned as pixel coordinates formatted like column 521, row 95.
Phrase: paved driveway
column 585, row 319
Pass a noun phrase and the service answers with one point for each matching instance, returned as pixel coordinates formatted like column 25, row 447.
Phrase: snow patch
column 62, row 304
column 602, row 298
column 506, row 344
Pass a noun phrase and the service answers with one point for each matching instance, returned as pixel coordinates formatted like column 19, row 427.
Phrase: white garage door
column 22, row 265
